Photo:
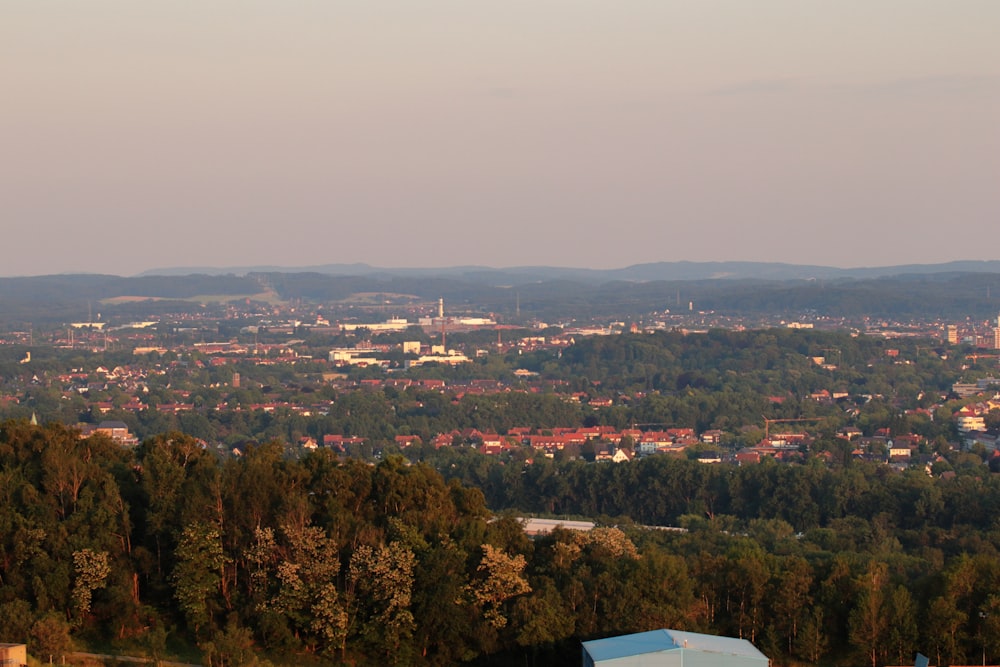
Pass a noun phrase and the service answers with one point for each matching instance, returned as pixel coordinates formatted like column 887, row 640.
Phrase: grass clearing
column 268, row 296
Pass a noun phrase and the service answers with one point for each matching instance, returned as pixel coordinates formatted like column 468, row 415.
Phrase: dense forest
column 167, row 549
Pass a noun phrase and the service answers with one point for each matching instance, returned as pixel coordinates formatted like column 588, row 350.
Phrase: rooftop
column 656, row 641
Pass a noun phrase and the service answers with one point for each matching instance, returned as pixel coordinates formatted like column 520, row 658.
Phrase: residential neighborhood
column 132, row 380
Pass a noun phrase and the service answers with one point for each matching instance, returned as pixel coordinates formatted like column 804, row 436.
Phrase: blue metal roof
column 625, row 645
column 656, row 641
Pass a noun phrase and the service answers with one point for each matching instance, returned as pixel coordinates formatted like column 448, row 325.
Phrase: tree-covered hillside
column 264, row 558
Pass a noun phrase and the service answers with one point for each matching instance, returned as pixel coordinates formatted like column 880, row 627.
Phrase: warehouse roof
column 656, row 641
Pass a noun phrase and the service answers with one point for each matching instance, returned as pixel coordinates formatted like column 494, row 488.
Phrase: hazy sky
column 421, row 133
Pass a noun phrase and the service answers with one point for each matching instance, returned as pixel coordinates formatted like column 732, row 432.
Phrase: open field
column 380, row 298
column 268, row 297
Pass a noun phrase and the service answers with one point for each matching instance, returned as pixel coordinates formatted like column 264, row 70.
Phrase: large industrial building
column 672, row 648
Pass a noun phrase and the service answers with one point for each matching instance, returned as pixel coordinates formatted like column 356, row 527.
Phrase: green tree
column 812, row 642
column 868, row 621
column 748, row 578
column 50, row 637
column 541, row 618
column 16, row 618
column 499, row 579
column 381, row 579
column 92, row 569
column 901, row 619
column 307, row 592
column 198, row 573
column 232, row 647
column 945, row 632
column 791, row 598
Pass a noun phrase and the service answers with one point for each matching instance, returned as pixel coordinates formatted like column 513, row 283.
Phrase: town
column 235, row 374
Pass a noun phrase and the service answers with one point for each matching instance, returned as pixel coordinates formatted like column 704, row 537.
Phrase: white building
column 967, row 423
column 392, row 324
column 345, row 356
column 452, row 358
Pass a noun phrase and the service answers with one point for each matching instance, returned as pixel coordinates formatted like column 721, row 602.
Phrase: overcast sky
column 424, row 133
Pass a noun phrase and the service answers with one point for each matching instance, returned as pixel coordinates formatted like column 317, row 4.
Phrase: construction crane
column 768, row 422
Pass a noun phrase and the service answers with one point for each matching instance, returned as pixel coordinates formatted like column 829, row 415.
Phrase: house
column 492, row 440
column 404, row 441
column 712, row 436
column 620, row 456
column 134, row 405
column 898, row 451
column 548, row 442
column 671, row 648
column 656, row 440
column 443, row 440
column 431, row 384
column 709, row 457
column 645, row 448
column 778, row 452
column 340, row 442
column 822, row 396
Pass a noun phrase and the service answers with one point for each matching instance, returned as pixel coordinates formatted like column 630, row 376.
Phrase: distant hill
column 635, row 273
column 956, row 290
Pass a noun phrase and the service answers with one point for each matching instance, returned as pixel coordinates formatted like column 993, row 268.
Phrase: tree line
column 261, row 559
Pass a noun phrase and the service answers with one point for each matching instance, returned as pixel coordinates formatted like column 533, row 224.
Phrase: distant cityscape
column 260, row 335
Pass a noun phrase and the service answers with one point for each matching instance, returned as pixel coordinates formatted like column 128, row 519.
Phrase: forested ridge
column 550, row 296
column 168, row 548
